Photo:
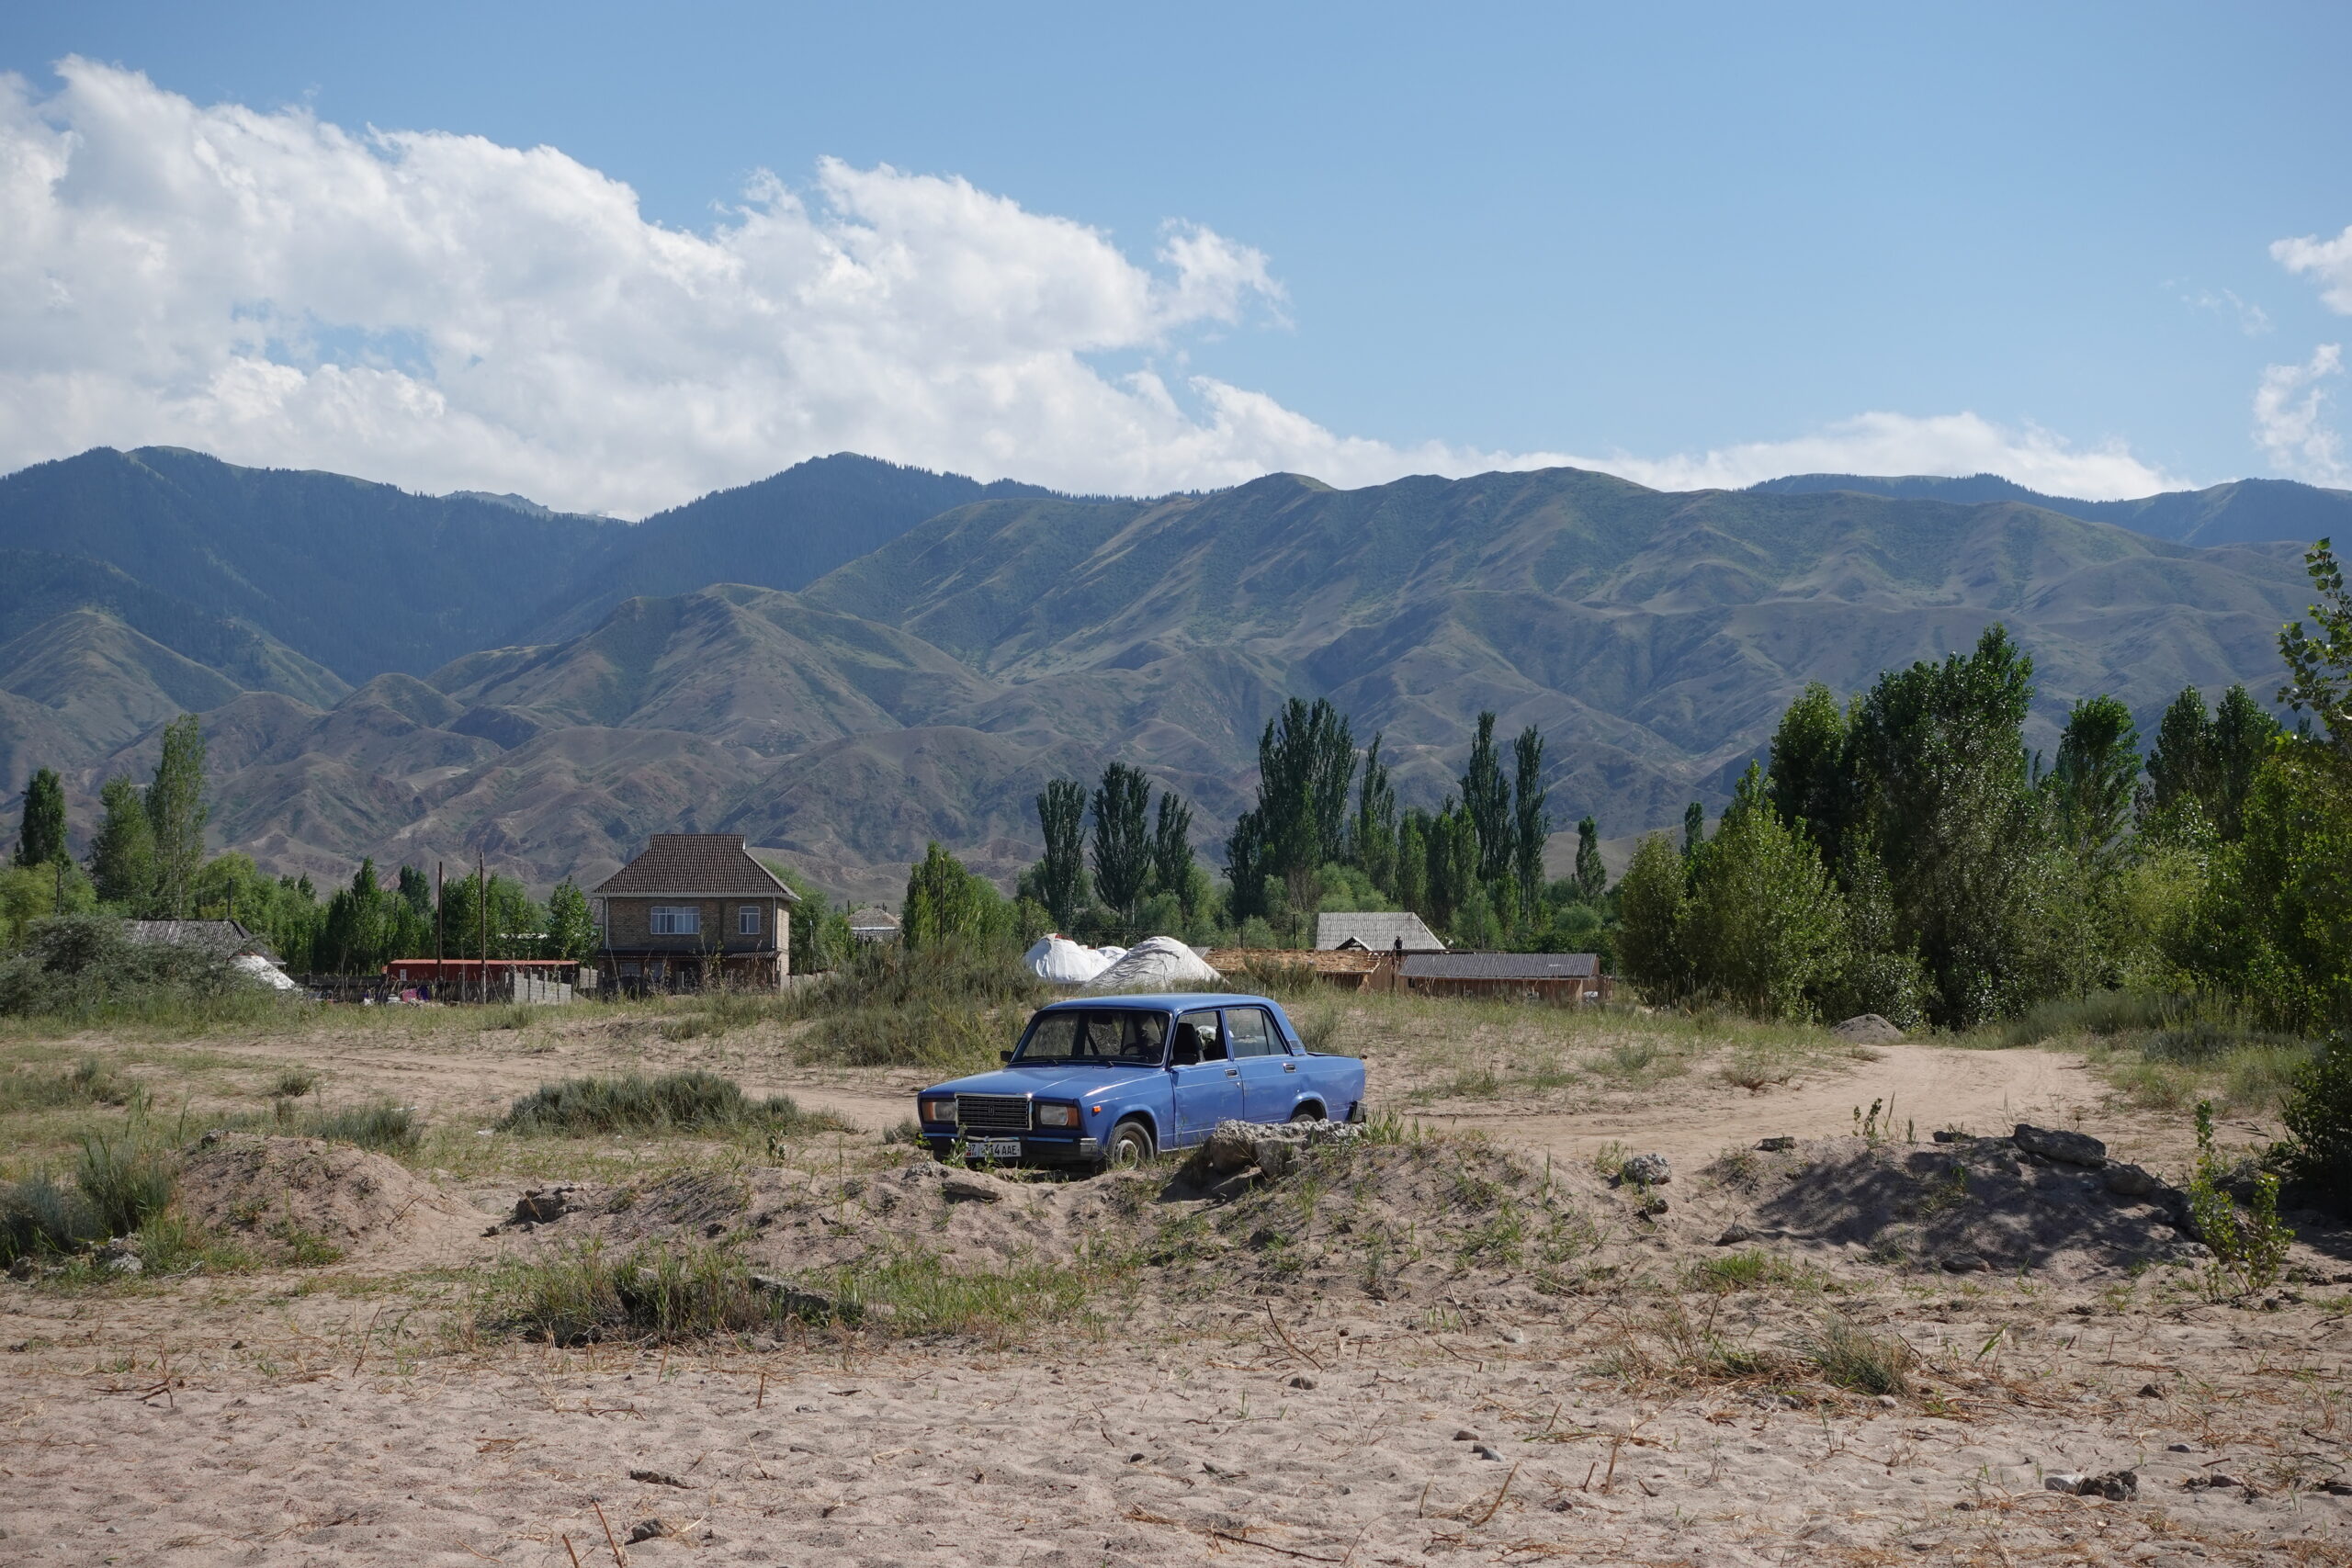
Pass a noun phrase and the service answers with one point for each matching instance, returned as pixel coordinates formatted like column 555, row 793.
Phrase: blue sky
column 1448, row 236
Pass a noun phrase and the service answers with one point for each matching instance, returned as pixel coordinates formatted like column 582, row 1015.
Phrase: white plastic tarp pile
column 256, row 967
column 1058, row 960
column 1155, row 963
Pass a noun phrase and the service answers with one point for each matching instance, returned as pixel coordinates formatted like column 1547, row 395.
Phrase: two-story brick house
column 695, row 909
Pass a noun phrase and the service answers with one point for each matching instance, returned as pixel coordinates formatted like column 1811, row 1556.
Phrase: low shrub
column 1853, row 1358
column 293, row 1083
column 659, row 1292
column 384, row 1127
column 692, row 1101
column 78, row 969
column 2318, row 1147
column 127, row 1176
column 88, row 1082
column 2100, row 1013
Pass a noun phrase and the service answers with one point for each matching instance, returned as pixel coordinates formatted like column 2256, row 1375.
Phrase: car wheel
column 1310, row 1111
column 1131, row 1145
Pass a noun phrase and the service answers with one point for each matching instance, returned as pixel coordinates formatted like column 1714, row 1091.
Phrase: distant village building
column 874, row 923
column 244, row 949
column 1568, row 977
column 1375, row 934
column 694, row 911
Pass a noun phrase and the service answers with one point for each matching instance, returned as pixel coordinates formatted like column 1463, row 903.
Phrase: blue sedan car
column 1112, row 1080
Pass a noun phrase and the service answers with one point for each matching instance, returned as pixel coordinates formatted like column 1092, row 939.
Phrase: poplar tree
column 1172, row 851
column 1061, row 876
column 1122, row 844
column 1485, row 796
column 1307, row 764
column 1592, row 877
column 122, row 852
column 176, row 811
column 1373, row 839
column 41, row 840
column 2096, row 775
column 1530, row 822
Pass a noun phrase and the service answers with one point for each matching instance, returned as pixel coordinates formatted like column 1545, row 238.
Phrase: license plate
column 992, row 1148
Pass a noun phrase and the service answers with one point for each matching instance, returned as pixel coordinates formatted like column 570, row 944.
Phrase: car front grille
column 992, row 1112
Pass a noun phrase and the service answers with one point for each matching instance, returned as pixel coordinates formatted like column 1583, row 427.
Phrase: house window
column 747, row 920
column 680, row 919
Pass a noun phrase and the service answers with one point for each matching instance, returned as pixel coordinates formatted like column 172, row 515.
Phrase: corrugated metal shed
column 1375, row 932
column 1502, row 966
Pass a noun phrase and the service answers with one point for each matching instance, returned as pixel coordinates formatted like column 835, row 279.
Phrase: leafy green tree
column 1172, row 853
column 2091, row 788
column 1411, row 889
column 1694, row 829
column 353, row 940
column 1530, row 822
column 1882, row 973
column 1373, row 839
column 122, row 852
column 1122, row 841
column 40, row 841
column 1762, row 924
column 1452, row 865
column 2180, row 764
column 1485, row 796
column 1307, row 764
column 947, row 904
column 502, row 908
column 1649, row 914
column 1938, row 759
column 572, row 924
column 2319, row 662
column 176, row 811
column 1592, row 877
column 2280, row 904
column 1061, row 876
column 34, row 893
column 2242, row 737
column 1808, row 776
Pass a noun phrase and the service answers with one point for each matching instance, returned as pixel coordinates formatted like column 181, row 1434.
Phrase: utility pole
column 440, row 916
column 481, row 918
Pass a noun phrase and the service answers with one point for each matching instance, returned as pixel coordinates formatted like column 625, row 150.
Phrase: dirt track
column 1692, row 1120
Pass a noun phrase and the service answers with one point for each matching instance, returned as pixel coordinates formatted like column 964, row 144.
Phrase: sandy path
column 1695, row 1119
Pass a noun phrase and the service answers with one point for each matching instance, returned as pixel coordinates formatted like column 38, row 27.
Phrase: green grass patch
column 1852, row 1356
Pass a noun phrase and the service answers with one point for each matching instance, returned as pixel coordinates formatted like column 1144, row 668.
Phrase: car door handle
column 1232, row 1072
column 1290, row 1066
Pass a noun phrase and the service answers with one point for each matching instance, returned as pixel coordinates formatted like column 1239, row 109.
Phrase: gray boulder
column 2133, row 1181
column 1867, row 1028
column 2055, row 1144
column 1274, row 1149
column 1646, row 1170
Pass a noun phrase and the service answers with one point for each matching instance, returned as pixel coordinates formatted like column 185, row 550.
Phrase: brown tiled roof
column 711, row 865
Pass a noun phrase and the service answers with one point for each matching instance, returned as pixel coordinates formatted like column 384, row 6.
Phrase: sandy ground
column 1270, row 1391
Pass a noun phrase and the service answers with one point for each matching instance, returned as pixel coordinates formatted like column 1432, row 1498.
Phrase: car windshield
column 1095, row 1034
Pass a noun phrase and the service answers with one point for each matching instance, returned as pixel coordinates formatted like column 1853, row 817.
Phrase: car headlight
column 937, row 1109
column 1057, row 1116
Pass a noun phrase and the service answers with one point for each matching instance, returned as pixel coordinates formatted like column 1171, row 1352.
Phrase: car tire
column 1131, row 1145
column 1310, row 1111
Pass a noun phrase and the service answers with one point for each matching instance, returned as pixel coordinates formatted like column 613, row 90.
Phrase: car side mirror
column 1005, row 1056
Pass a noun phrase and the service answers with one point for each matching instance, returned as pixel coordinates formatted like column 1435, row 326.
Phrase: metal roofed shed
column 874, row 923
column 1375, row 932
column 1569, row 978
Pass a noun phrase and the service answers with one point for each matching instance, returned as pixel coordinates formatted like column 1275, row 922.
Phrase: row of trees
column 1905, row 854
column 146, row 862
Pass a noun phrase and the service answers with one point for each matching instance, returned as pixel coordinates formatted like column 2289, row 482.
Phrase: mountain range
column 850, row 657
column 2243, row 511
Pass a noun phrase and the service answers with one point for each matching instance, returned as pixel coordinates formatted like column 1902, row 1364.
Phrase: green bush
column 658, row 1291
column 39, row 1216
column 2318, row 1148
column 689, row 1101
column 86, row 968
column 1852, row 1356
column 127, row 1176
column 2249, row 1245
column 386, row 1128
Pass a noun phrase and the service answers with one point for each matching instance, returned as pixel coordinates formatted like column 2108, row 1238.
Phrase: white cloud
column 2289, row 418
column 447, row 312
column 1949, row 444
column 2252, row 319
column 2329, row 261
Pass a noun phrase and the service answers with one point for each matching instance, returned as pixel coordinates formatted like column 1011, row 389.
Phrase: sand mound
column 278, row 1194
column 1974, row 1205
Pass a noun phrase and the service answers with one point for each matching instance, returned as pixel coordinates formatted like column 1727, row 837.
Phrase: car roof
column 1167, row 1001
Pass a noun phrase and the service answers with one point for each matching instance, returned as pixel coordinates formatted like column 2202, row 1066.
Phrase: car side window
column 1251, row 1031
column 1197, row 1040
